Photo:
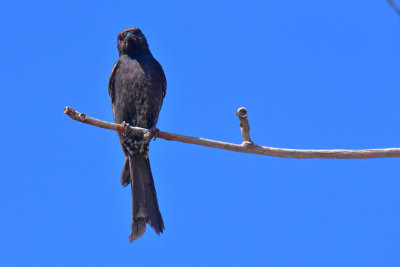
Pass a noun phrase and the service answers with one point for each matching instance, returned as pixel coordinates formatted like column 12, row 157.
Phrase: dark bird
column 137, row 88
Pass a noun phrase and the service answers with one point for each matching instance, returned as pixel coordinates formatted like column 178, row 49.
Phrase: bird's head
column 131, row 41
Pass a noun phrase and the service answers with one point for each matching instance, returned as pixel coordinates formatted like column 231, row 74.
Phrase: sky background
column 312, row 75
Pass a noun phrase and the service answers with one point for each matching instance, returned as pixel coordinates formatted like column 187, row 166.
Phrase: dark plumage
column 137, row 87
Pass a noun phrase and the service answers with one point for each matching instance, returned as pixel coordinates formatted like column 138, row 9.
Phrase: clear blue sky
column 312, row 74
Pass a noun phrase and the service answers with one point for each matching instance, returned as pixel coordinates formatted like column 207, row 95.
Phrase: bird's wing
column 111, row 82
column 164, row 85
column 164, row 80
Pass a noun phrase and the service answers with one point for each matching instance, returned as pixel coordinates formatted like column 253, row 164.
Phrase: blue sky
column 312, row 74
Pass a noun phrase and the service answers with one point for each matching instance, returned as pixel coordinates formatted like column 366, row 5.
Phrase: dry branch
column 394, row 6
column 247, row 146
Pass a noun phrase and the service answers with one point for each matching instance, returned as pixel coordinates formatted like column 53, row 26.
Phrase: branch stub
column 244, row 125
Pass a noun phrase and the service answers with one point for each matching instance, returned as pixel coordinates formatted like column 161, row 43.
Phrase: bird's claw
column 154, row 131
column 126, row 127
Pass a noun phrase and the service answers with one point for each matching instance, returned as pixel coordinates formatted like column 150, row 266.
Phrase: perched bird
column 137, row 88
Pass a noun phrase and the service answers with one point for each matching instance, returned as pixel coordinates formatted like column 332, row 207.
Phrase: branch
column 394, row 6
column 244, row 126
column 247, row 146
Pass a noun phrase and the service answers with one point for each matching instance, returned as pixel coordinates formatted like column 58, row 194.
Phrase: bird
column 137, row 87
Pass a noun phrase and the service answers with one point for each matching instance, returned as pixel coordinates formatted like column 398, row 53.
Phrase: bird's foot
column 154, row 131
column 127, row 128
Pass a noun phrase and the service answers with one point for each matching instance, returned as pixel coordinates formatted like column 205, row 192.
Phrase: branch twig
column 394, row 6
column 244, row 125
column 247, row 146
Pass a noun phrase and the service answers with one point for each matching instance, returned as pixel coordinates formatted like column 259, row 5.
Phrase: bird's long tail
column 144, row 198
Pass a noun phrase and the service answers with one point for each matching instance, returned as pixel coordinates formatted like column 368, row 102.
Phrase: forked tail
column 144, row 197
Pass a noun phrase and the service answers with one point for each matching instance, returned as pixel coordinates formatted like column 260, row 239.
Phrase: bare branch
column 394, row 6
column 247, row 146
column 244, row 125
column 92, row 121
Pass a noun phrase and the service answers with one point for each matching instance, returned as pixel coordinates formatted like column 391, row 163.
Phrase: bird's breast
column 138, row 93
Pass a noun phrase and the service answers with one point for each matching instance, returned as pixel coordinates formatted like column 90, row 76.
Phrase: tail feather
column 144, row 199
column 125, row 175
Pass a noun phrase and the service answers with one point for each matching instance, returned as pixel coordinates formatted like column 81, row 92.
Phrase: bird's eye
column 120, row 39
